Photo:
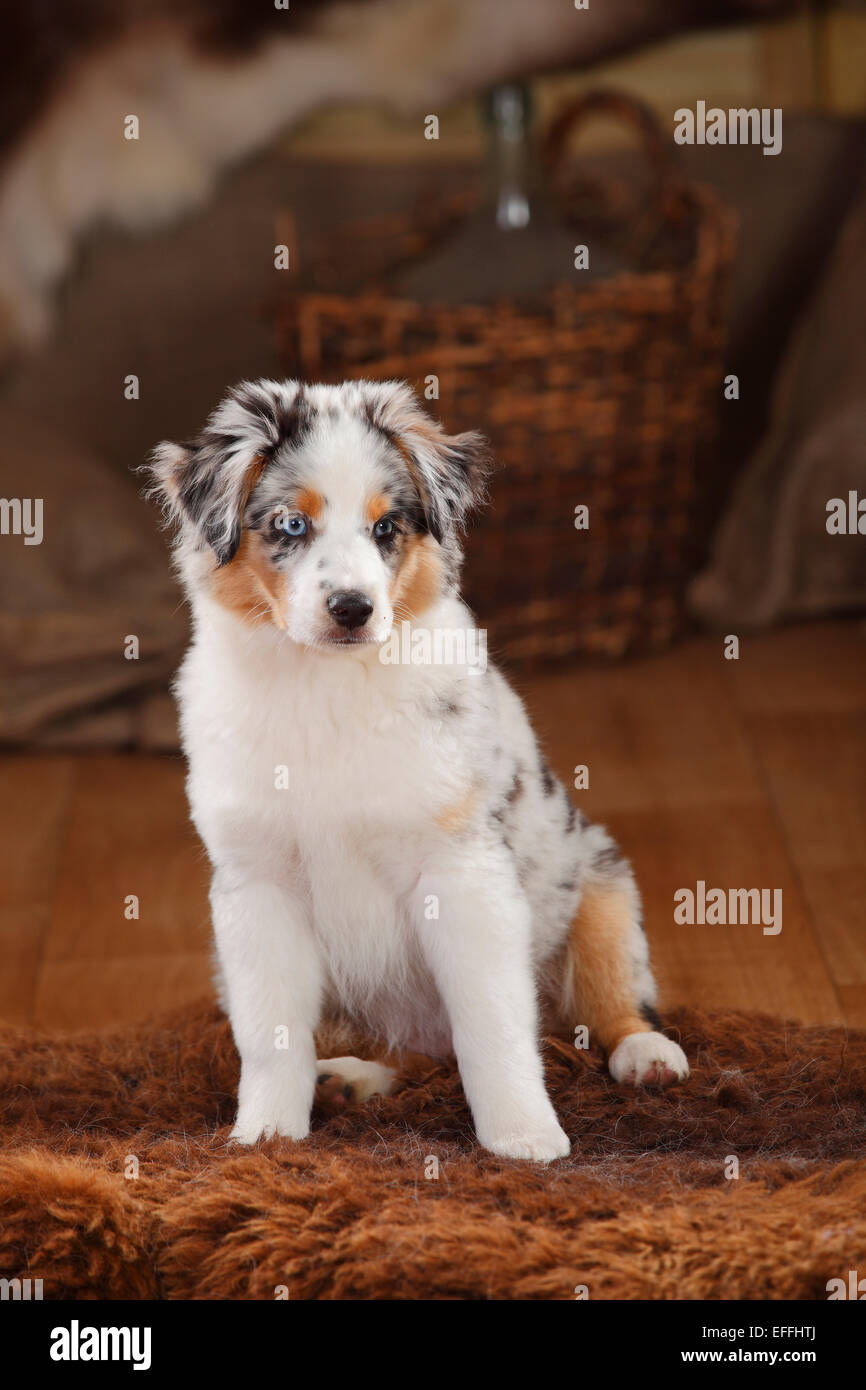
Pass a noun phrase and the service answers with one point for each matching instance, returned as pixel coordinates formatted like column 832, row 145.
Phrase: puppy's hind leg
column 608, row 986
column 345, row 1081
column 344, row 1076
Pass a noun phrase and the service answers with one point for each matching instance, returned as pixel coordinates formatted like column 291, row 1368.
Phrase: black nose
column 349, row 607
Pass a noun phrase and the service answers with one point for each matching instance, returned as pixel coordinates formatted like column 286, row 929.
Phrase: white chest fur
column 325, row 773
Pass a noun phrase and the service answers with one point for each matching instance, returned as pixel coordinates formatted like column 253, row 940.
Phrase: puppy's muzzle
column 350, row 608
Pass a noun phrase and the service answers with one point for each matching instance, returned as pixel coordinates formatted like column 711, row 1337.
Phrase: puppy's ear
column 205, row 485
column 205, row 492
column 450, row 471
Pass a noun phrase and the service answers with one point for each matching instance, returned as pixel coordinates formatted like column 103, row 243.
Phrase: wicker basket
column 606, row 397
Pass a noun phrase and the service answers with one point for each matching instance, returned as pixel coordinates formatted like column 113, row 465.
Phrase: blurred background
column 193, row 195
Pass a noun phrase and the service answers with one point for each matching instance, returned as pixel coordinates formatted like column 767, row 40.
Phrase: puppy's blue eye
column 292, row 523
column 384, row 527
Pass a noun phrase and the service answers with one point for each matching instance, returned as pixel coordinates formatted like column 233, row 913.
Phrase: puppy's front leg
column 478, row 949
column 273, row 985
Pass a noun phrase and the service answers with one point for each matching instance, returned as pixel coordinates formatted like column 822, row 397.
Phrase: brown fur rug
column 641, row 1209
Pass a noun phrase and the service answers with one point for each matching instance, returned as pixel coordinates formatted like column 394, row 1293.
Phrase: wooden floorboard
column 128, row 836
column 35, row 793
column 801, row 693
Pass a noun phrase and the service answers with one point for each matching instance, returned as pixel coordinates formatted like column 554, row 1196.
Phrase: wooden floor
column 747, row 774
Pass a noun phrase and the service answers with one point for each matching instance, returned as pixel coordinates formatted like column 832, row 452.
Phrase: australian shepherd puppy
column 393, row 860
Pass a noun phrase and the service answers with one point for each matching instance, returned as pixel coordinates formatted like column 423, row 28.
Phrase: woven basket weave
column 606, row 396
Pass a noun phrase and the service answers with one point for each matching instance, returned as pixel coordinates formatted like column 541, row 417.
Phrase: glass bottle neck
column 511, row 183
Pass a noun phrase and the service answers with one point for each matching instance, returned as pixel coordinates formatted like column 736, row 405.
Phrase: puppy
column 392, row 857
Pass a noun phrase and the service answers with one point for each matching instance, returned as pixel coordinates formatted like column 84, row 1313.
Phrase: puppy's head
column 327, row 511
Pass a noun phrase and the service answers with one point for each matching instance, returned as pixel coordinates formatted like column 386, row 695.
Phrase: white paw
column 647, row 1058
column 251, row 1126
column 539, row 1144
column 344, row 1081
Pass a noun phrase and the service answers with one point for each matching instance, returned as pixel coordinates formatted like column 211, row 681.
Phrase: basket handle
column 670, row 190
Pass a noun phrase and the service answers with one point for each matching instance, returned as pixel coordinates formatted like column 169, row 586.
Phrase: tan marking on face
column 376, row 507
column 310, row 502
column 250, row 586
column 599, row 988
column 454, row 818
column 418, row 581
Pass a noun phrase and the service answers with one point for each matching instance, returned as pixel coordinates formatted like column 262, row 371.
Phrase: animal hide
column 116, row 1179
column 126, row 113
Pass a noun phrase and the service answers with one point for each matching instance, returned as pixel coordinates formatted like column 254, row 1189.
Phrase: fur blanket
column 116, row 1179
column 127, row 113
